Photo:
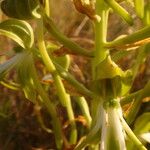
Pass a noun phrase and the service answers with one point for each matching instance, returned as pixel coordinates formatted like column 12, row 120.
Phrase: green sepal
column 120, row 81
column 108, row 69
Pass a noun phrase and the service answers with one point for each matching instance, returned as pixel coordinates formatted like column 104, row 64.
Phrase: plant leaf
column 9, row 64
column 19, row 31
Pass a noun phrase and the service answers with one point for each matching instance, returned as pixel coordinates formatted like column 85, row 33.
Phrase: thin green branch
column 130, row 39
column 85, row 109
column 75, row 48
column 68, row 77
column 120, row 11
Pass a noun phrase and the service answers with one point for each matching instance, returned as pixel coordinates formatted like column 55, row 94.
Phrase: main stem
column 100, row 51
column 100, row 35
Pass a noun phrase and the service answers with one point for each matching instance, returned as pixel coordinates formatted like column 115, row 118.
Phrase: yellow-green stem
column 85, row 110
column 47, row 8
column 63, row 96
column 120, row 10
column 100, row 35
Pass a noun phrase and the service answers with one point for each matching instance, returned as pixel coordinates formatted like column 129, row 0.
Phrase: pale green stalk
column 120, row 10
column 72, row 46
column 130, row 39
column 139, row 7
column 85, row 110
column 68, row 77
column 63, row 96
column 100, row 34
column 10, row 86
column 47, row 7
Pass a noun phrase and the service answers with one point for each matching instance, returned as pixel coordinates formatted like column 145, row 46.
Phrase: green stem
column 63, row 96
column 120, row 10
column 85, row 109
column 75, row 48
column 135, row 37
column 139, row 7
column 9, row 86
column 132, row 136
column 100, row 35
column 68, row 77
column 47, row 8
column 146, row 18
